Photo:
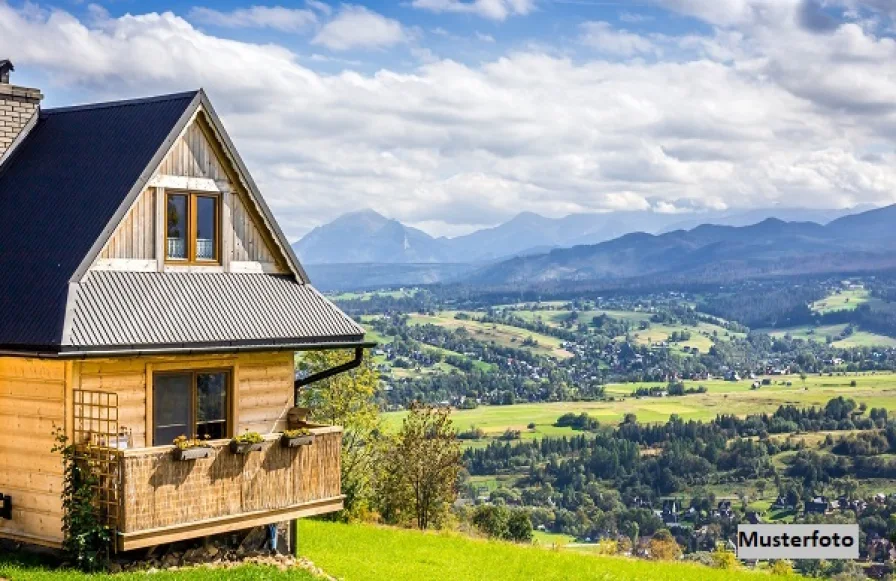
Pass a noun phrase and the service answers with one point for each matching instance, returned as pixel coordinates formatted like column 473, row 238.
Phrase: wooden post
column 294, row 537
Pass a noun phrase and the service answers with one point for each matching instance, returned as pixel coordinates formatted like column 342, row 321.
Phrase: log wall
column 262, row 387
column 32, row 393
column 35, row 396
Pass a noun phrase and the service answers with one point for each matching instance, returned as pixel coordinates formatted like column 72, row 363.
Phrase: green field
column 366, row 296
column 821, row 332
column 360, row 553
column 553, row 318
column 551, row 539
column 841, row 300
column 505, row 335
column 27, row 568
column 722, row 397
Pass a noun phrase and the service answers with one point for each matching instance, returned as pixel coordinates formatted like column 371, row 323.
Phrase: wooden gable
column 195, row 162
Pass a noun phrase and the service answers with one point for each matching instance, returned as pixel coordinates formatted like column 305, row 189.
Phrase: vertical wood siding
column 135, row 236
column 248, row 243
column 32, row 403
column 194, row 155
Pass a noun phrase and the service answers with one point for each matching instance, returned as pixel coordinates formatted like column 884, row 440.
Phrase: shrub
column 519, row 526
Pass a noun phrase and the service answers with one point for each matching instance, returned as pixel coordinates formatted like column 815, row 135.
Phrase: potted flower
column 245, row 443
column 296, row 438
column 191, row 448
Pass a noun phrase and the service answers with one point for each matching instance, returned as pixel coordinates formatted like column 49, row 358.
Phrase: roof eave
column 81, row 352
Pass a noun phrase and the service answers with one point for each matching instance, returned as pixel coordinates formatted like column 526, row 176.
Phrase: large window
column 193, row 231
column 190, row 404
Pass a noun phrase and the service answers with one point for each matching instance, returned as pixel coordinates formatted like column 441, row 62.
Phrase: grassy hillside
column 359, row 553
column 821, row 332
column 505, row 335
column 845, row 300
column 15, row 568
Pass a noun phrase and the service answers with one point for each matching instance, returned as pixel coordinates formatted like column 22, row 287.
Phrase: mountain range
column 366, row 249
column 369, row 237
column 772, row 246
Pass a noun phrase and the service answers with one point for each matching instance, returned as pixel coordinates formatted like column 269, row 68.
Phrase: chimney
column 18, row 110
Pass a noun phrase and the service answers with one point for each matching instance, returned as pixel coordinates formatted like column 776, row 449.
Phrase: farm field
column 360, row 553
column 821, row 332
column 366, row 296
column 846, row 300
column 662, row 332
column 722, row 397
column 553, row 318
column 505, row 335
column 551, row 539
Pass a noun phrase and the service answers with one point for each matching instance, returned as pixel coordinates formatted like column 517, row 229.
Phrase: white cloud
column 358, row 27
column 485, row 37
column 492, row 9
column 634, row 17
column 753, row 114
column 321, row 7
column 602, row 36
column 276, row 17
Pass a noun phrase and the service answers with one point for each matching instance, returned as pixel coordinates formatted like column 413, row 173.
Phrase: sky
column 453, row 115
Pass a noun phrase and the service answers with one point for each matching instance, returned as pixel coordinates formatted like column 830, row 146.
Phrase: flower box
column 194, row 453
column 237, row 447
column 296, row 441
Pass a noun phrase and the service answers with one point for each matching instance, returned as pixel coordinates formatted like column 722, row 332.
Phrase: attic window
column 193, row 231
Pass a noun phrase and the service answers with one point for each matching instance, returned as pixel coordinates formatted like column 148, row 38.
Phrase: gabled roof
column 62, row 193
column 58, row 191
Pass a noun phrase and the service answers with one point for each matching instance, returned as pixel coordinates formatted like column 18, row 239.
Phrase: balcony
column 162, row 500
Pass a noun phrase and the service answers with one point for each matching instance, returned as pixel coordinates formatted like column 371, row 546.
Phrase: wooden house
column 146, row 292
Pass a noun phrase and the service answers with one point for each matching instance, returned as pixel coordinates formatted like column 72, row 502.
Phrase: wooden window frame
column 230, row 412
column 192, row 227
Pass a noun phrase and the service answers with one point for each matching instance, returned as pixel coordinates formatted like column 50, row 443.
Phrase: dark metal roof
column 58, row 192
column 135, row 310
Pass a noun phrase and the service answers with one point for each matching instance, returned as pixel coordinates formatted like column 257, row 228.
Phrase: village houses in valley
column 147, row 293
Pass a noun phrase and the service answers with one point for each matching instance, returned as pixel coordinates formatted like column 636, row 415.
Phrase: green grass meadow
column 360, row 552
column 505, row 335
column 29, row 568
column 821, row 332
column 845, row 300
column 722, row 397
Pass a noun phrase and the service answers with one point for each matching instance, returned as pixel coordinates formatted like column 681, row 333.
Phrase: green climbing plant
column 87, row 539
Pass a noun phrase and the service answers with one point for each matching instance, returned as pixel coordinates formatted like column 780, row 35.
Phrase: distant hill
column 747, row 217
column 365, row 276
column 366, row 236
column 862, row 241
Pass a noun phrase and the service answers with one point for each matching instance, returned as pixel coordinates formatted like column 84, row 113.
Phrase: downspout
column 299, row 384
column 327, row 373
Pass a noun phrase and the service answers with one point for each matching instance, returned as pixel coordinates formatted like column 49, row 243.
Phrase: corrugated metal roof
column 153, row 309
column 58, row 191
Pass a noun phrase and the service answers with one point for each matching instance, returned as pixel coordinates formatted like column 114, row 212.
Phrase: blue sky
column 452, row 115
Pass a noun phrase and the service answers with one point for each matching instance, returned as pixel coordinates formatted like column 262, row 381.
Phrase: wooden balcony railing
column 165, row 500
